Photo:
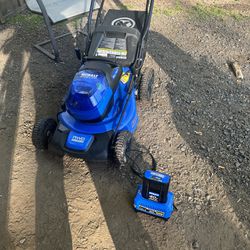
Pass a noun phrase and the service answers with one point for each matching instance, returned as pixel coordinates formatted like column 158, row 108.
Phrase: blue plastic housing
column 162, row 210
column 72, row 118
column 79, row 142
column 157, row 176
column 89, row 95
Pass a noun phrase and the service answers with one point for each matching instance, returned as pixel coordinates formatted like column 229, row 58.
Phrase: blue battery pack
column 153, row 197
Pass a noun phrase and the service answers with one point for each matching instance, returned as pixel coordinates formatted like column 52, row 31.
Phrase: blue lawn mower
column 99, row 116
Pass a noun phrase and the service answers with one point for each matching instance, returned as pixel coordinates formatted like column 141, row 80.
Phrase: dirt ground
column 197, row 127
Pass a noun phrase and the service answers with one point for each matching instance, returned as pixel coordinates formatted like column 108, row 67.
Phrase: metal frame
column 55, row 55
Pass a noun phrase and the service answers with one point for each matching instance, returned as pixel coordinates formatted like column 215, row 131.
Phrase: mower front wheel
column 122, row 145
column 146, row 84
column 42, row 132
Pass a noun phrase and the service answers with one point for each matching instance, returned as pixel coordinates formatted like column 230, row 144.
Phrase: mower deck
column 97, row 150
column 123, row 18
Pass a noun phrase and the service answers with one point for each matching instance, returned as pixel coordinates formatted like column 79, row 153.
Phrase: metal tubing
column 50, row 31
column 91, row 10
column 139, row 57
column 89, row 38
column 46, row 52
column 99, row 13
column 149, row 12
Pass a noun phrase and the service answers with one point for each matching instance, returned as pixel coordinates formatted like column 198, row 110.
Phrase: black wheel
column 122, row 144
column 146, row 84
column 42, row 132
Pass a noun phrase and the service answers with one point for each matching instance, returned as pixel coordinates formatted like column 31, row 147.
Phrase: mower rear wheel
column 146, row 84
column 42, row 132
column 122, row 144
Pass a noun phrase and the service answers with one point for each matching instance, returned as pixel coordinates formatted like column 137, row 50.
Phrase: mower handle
column 148, row 10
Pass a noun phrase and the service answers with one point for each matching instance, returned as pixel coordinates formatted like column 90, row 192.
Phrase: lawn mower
column 98, row 116
column 153, row 196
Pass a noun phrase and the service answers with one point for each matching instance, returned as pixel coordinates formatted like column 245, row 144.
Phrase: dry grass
column 237, row 9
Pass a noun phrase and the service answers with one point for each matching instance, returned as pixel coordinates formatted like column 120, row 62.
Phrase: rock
column 22, row 240
column 195, row 244
column 237, row 164
column 198, row 133
column 221, row 167
column 237, row 70
column 198, row 207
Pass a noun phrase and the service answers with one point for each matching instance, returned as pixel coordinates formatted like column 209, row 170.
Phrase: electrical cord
column 134, row 166
column 140, row 172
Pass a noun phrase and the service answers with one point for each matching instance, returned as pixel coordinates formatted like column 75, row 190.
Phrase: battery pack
column 153, row 196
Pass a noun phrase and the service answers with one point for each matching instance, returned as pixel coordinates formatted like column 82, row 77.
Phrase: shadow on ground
column 52, row 229
column 52, row 225
column 207, row 101
column 49, row 82
column 203, row 99
column 10, row 92
column 116, row 190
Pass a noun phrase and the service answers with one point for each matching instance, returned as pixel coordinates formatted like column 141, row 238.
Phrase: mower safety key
column 153, row 196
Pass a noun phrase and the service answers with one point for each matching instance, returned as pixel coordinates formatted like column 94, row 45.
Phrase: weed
column 169, row 11
column 26, row 20
column 204, row 12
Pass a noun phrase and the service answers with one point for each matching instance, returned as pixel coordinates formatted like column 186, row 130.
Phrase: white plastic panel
column 59, row 10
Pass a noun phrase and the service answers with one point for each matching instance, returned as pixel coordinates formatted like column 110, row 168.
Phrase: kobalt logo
column 159, row 175
column 78, row 139
column 88, row 75
column 124, row 21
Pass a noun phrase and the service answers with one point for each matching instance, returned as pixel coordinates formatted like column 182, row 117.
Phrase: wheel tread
column 122, row 140
column 147, row 75
column 40, row 130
